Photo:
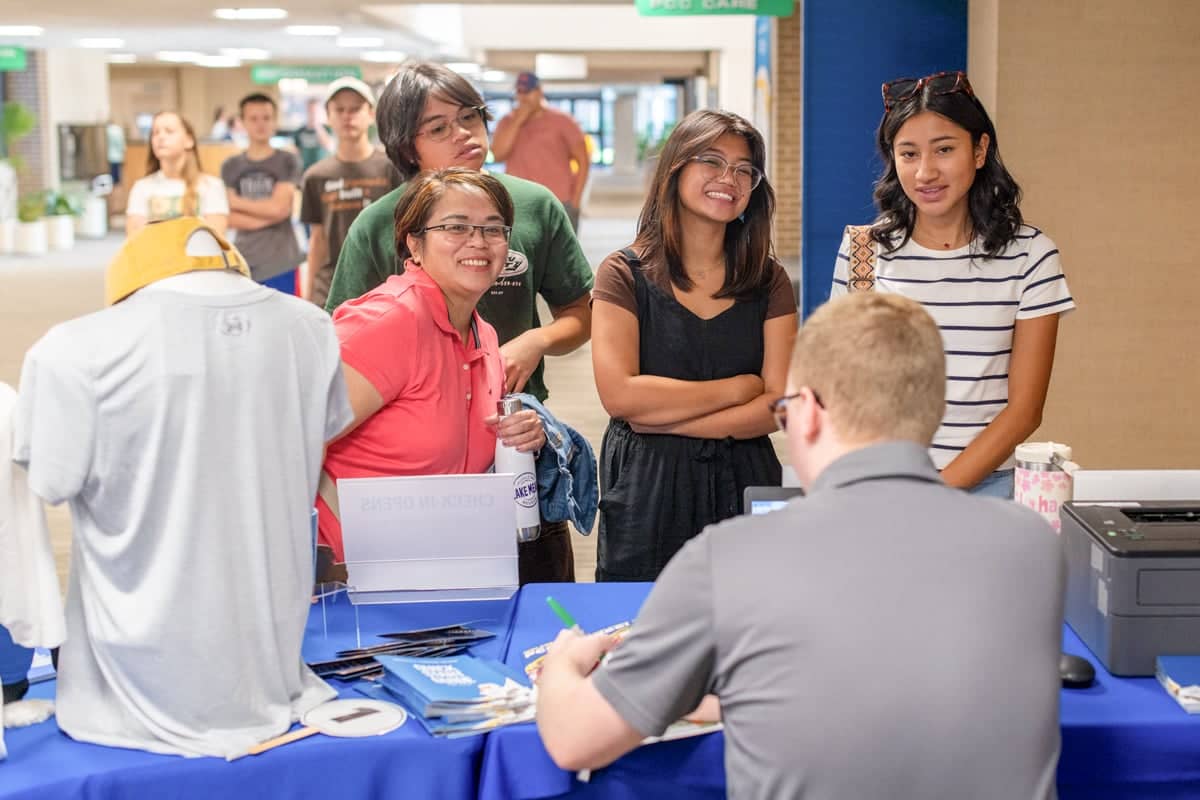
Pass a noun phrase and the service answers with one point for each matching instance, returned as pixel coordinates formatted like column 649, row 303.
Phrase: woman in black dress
column 692, row 329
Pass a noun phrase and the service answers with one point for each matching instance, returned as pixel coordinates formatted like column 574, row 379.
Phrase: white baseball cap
column 354, row 85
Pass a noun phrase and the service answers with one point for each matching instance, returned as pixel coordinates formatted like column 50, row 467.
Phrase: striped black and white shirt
column 976, row 302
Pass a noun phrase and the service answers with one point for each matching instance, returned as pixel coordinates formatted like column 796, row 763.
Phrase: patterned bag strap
column 861, row 275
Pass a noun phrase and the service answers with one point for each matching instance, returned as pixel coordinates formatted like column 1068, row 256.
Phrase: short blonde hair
column 876, row 361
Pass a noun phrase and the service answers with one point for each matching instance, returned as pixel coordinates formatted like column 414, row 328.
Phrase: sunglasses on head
column 901, row 89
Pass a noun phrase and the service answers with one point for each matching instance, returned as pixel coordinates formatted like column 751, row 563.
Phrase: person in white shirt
column 950, row 235
column 175, row 184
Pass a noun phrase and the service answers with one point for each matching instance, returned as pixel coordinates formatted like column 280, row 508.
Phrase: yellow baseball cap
column 159, row 251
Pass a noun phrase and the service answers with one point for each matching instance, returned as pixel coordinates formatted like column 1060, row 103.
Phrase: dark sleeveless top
column 658, row 491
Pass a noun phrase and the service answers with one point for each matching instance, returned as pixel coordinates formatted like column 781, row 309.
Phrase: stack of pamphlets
column 1180, row 676
column 458, row 696
column 425, row 643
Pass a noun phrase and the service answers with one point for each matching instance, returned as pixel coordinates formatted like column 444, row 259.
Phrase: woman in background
column 174, row 185
column 692, row 330
column 950, row 235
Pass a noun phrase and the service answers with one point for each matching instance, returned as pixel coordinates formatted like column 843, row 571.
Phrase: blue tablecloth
column 1125, row 739
column 516, row 765
column 44, row 763
column 1122, row 739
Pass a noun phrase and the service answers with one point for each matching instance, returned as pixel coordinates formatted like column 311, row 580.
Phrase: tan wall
column 1097, row 119
column 212, row 156
column 193, row 91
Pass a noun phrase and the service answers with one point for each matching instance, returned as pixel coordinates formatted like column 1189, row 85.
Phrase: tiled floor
column 35, row 293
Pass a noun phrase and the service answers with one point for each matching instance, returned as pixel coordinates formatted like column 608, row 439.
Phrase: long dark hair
column 398, row 116
column 993, row 202
column 749, row 258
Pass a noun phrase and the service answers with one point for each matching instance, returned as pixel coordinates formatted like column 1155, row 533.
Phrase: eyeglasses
column 779, row 407
column 901, row 89
column 470, row 118
column 462, row 231
column 715, row 168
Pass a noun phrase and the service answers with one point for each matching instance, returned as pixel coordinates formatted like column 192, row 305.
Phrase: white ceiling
column 147, row 27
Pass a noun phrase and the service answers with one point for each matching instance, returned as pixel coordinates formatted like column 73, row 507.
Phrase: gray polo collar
column 903, row 460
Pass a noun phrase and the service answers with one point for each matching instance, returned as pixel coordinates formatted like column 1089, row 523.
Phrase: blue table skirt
column 516, row 765
column 44, row 763
column 1125, row 739
column 1122, row 739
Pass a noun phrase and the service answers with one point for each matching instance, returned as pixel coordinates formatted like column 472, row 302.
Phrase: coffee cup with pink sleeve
column 1043, row 478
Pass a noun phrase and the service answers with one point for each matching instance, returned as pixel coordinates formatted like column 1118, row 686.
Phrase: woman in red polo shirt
column 428, row 409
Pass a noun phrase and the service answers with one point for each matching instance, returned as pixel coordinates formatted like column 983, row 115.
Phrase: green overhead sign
column 681, row 8
column 12, row 59
column 313, row 73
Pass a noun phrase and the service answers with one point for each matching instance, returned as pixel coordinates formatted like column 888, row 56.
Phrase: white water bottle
column 525, row 488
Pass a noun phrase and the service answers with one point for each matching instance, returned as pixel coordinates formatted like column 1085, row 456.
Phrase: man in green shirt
column 430, row 117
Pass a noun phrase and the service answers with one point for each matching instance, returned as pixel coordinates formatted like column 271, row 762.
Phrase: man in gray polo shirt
column 885, row 637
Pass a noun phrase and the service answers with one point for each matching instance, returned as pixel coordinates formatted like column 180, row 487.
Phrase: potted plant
column 61, row 211
column 16, row 122
column 31, row 236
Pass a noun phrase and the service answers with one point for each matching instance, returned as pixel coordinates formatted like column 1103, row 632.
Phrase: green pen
column 565, row 616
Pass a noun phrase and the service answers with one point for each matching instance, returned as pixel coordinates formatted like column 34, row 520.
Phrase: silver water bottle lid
column 509, row 404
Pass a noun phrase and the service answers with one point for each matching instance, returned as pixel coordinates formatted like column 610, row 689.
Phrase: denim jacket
column 566, row 472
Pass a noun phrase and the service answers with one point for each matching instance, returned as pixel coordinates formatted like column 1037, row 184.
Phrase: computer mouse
column 1076, row 671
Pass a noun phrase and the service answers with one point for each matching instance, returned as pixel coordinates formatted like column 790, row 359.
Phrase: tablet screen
column 766, row 506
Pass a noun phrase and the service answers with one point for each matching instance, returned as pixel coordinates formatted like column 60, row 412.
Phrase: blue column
column 850, row 49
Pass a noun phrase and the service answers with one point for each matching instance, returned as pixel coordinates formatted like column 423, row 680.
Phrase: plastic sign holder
column 429, row 538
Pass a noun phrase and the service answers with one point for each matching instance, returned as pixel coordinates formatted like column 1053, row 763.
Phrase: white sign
column 560, row 67
column 418, row 539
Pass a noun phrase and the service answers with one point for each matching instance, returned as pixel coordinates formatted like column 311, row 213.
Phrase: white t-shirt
column 30, row 604
column 186, row 431
column 157, row 197
column 976, row 302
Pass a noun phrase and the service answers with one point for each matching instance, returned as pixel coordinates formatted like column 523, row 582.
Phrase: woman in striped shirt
column 950, row 235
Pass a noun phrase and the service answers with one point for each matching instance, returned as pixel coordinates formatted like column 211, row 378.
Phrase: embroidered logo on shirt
column 515, row 264
column 233, row 323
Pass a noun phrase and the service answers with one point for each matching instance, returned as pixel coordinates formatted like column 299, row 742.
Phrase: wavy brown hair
column 749, row 257
column 190, row 204
column 424, row 191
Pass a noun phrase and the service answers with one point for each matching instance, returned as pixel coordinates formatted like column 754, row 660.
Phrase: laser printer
column 1133, row 580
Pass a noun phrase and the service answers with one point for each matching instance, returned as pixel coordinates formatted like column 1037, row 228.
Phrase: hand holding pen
column 582, row 652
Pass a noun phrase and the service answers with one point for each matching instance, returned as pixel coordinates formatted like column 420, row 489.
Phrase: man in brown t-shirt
column 337, row 188
column 539, row 143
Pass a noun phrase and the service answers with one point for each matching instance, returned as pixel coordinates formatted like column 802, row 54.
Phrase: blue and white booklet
column 1180, row 676
column 459, row 695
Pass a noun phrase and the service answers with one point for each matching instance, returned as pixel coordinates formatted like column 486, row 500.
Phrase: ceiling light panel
column 313, row 30
column 179, row 56
column 250, row 13
column 360, row 41
column 383, row 56
column 245, row 53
